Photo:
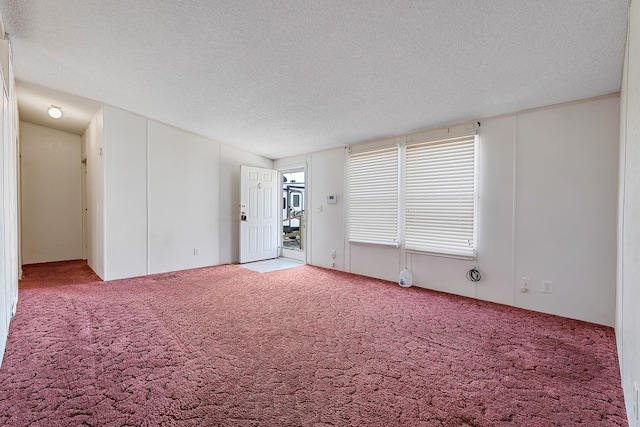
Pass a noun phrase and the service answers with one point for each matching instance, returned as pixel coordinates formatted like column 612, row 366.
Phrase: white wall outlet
column 332, row 264
column 196, row 251
column 333, row 253
column 525, row 285
column 547, row 287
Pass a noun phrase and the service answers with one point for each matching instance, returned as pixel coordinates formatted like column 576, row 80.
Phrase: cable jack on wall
column 474, row 275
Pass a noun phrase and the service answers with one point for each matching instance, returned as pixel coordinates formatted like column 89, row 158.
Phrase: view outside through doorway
column 293, row 215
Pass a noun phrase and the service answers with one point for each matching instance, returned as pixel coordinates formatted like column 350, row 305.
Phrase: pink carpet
column 225, row 346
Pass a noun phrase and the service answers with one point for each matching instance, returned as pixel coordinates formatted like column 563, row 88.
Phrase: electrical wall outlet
column 524, row 287
column 547, row 287
column 333, row 253
column 196, row 251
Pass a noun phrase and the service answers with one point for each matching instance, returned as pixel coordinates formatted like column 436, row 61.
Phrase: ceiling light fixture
column 55, row 112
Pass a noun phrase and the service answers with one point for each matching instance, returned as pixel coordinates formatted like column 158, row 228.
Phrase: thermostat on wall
column 332, row 199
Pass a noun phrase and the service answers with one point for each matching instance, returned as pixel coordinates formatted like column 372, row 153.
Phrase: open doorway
column 293, row 214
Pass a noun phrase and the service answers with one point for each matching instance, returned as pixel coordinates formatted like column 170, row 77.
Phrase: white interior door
column 258, row 214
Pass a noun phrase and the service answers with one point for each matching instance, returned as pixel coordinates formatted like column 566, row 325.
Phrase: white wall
column 628, row 278
column 184, row 199
column 8, row 196
column 496, row 214
column 326, row 221
column 566, row 176
column 51, row 194
column 95, row 238
column 126, row 194
column 547, row 210
column 154, row 195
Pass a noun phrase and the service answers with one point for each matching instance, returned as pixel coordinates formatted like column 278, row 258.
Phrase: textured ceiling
column 282, row 77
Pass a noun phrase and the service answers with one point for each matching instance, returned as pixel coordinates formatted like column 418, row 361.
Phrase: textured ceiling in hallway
column 286, row 77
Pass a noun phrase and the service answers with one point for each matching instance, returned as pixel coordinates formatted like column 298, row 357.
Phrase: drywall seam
column 146, row 165
column 308, row 256
column 513, row 209
column 219, row 166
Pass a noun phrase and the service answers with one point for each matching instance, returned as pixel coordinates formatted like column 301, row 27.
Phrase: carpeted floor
column 225, row 346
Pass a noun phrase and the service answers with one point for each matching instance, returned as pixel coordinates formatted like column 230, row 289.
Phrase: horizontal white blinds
column 373, row 196
column 440, row 196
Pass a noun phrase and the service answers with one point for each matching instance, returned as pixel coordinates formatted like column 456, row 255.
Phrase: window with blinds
column 440, row 196
column 373, row 196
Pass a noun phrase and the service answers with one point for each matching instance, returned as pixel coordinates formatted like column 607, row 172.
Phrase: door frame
column 298, row 255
